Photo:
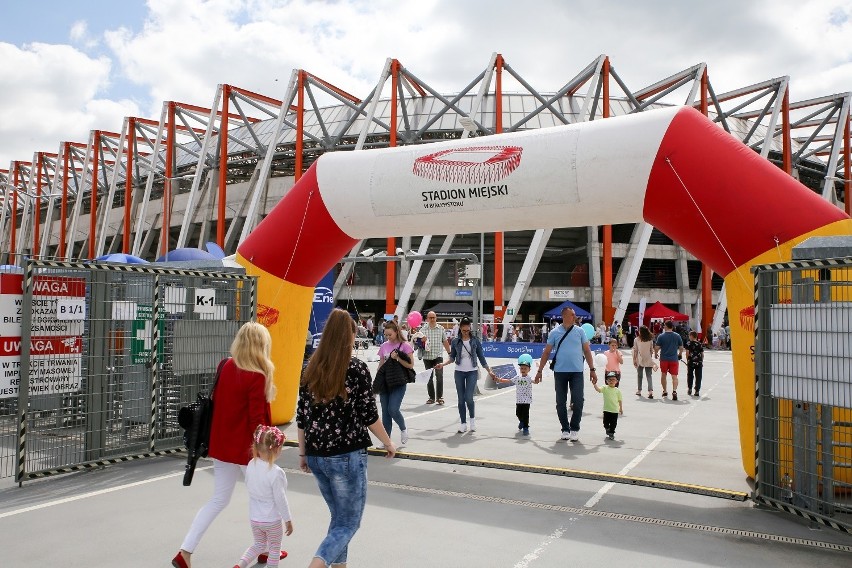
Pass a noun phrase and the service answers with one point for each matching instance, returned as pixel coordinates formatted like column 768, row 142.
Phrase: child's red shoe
column 263, row 558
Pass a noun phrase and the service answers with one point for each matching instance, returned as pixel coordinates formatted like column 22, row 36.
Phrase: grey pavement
column 423, row 514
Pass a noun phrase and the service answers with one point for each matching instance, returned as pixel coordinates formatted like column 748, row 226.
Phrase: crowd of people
column 337, row 412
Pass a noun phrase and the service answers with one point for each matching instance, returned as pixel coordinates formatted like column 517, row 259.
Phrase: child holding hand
column 267, row 486
column 614, row 360
column 523, row 392
column 612, row 403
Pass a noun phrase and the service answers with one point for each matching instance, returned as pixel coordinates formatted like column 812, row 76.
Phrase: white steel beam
column 629, row 269
column 426, row 287
column 522, row 285
column 200, row 168
column 252, row 216
column 408, row 287
column 149, row 184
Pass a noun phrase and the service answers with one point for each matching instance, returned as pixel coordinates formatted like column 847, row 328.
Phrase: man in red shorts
column 668, row 347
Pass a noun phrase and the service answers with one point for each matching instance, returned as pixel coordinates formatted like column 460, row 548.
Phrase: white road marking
column 533, row 556
column 94, row 493
column 648, row 449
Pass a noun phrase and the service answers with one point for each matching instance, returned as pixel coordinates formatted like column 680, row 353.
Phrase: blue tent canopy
column 556, row 313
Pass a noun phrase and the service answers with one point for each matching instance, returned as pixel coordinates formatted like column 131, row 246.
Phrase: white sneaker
column 473, row 424
column 566, row 435
column 404, row 439
column 462, row 428
column 574, row 436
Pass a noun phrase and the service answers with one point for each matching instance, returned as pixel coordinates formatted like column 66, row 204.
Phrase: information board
column 56, row 344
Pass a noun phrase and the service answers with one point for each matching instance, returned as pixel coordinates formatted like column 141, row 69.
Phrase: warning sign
column 56, row 344
column 55, row 365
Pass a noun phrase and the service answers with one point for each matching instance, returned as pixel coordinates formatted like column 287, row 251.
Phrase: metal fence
column 803, row 362
column 96, row 359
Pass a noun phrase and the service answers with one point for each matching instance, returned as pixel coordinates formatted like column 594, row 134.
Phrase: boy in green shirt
column 612, row 402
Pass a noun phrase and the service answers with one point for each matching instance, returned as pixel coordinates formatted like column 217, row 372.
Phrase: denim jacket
column 456, row 348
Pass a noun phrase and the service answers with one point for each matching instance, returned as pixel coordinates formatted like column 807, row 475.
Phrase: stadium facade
column 212, row 173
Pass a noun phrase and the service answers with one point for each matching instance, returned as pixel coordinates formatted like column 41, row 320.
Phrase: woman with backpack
column 395, row 352
column 643, row 359
column 241, row 398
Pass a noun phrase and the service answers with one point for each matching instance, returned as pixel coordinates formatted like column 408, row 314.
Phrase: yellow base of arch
column 284, row 308
column 739, row 287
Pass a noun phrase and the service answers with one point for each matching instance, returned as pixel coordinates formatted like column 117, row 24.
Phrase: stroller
column 362, row 338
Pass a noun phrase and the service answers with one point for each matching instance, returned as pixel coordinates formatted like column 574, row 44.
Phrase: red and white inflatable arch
column 672, row 168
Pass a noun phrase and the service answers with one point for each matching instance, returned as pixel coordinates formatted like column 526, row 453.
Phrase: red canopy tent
column 657, row 311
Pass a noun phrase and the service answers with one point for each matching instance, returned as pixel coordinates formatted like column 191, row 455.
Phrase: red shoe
column 178, row 561
column 264, row 557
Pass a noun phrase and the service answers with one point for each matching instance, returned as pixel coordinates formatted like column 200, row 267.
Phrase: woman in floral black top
column 694, row 363
column 336, row 409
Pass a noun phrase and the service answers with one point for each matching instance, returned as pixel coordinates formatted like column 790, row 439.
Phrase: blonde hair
column 251, row 350
column 267, row 442
column 325, row 375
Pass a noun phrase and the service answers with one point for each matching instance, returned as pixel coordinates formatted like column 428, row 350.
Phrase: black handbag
column 196, row 419
column 393, row 374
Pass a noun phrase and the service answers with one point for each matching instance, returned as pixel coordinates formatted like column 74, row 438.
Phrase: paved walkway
column 426, row 514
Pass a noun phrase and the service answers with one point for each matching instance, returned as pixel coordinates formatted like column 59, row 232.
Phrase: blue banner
column 321, row 309
column 508, row 349
column 464, row 292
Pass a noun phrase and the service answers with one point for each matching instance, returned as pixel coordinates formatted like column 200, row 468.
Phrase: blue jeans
column 465, row 387
column 342, row 480
column 564, row 382
column 391, row 401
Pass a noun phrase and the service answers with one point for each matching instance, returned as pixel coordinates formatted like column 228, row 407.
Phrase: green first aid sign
column 142, row 336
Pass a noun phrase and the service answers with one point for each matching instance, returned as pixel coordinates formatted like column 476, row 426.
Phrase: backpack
column 196, row 419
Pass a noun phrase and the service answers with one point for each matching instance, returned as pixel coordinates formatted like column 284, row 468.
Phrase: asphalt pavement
column 428, row 513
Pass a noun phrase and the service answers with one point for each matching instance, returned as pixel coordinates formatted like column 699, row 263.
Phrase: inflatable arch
column 672, row 168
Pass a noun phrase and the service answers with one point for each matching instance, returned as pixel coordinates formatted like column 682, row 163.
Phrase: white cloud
column 79, row 35
column 50, row 95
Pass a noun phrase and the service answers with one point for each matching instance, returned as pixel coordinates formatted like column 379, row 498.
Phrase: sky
column 70, row 67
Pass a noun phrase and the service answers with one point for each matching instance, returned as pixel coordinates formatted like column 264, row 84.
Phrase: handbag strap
column 218, row 374
column 558, row 345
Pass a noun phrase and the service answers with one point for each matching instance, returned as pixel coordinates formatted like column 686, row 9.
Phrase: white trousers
column 225, row 477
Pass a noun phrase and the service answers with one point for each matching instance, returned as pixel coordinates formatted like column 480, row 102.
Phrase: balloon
column 415, row 319
column 589, row 330
column 600, row 361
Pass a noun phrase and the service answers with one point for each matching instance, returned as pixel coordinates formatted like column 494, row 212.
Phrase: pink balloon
column 415, row 319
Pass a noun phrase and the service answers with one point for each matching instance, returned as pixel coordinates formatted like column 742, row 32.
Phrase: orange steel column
column 167, row 183
column 847, row 166
column 14, row 238
column 63, row 206
column 128, row 184
column 93, row 197
column 706, row 273
column 498, row 236
column 787, row 149
column 390, row 267
column 223, row 166
column 606, row 272
column 37, row 206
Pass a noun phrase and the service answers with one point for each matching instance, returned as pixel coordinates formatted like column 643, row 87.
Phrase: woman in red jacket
column 241, row 402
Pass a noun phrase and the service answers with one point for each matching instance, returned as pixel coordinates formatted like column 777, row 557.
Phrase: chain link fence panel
column 97, row 359
column 803, row 362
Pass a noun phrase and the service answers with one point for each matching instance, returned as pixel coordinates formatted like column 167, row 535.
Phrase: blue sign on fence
column 464, row 292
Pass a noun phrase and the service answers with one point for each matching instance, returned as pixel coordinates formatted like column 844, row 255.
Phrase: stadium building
column 210, row 174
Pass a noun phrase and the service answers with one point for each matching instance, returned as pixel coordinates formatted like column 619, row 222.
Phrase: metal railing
column 803, row 363
column 96, row 359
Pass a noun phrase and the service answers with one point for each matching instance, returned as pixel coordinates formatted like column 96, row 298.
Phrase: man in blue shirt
column 668, row 347
column 568, row 371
